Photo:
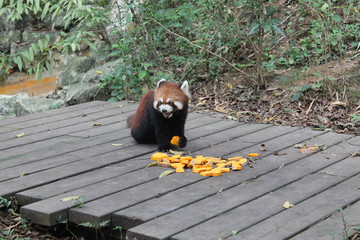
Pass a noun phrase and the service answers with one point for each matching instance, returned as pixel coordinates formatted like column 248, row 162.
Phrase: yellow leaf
column 176, row 152
column 165, row 173
column 229, row 85
column 151, row 165
column 20, row 135
column 117, row 144
column 287, row 204
column 99, row 72
column 70, row 198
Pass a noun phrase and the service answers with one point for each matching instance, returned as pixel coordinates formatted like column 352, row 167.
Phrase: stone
column 81, row 93
column 6, row 38
column 94, row 75
column 24, row 106
column 70, row 73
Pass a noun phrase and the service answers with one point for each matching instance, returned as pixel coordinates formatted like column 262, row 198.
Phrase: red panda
column 161, row 115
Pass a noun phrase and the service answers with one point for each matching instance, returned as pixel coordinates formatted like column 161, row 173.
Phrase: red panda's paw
column 182, row 141
column 164, row 148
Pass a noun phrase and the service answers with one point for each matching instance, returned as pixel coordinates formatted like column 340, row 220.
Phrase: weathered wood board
column 86, row 150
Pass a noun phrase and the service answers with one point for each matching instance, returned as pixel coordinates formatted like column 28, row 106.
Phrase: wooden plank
column 53, row 128
column 76, row 167
column 14, row 156
column 141, row 179
column 57, row 187
column 292, row 221
column 30, row 117
column 268, row 205
column 32, row 210
column 93, row 214
column 59, row 150
column 205, row 209
column 334, row 227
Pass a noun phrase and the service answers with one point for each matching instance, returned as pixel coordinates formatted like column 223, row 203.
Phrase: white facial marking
column 178, row 104
column 155, row 103
column 168, row 100
column 165, row 108
column 161, row 100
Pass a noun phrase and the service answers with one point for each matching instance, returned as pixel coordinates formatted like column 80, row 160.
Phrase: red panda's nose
column 164, row 110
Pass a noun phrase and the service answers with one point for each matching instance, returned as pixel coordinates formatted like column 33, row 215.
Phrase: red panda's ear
column 161, row 81
column 185, row 88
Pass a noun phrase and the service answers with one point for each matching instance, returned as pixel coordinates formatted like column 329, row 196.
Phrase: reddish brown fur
column 141, row 113
column 170, row 90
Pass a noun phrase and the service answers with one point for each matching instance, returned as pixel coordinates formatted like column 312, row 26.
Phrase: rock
column 81, row 93
column 25, row 106
column 6, row 25
column 3, row 77
column 33, row 36
column 70, row 73
column 7, row 106
column 21, row 104
column 94, row 75
column 6, row 38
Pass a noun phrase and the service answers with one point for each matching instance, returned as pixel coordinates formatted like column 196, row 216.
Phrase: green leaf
column 37, row 6
column 45, row 10
column 304, row 87
column 253, row 29
column 73, row 46
column 19, row 6
column 277, row 29
column 336, row 18
column 324, row 7
column 142, row 74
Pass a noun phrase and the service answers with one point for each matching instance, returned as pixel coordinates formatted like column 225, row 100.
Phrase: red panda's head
column 170, row 97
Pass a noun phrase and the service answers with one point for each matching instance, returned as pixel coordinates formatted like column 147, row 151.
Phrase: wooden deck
column 63, row 154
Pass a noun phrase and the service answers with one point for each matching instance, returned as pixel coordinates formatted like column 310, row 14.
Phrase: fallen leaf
column 176, row 152
column 70, row 198
column 96, row 124
column 232, row 118
column 165, row 173
column 117, row 144
column 309, row 150
column 20, row 135
column 99, row 72
column 277, row 153
column 287, row 204
column 151, row 165
column 357, row 154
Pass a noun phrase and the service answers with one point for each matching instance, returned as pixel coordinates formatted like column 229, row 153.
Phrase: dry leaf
column 151, row 165
column 96, row 124
column 99, row 72
column 70, row 198
column 309, row 150
column 117, row 144
column 287, row 204
column 20, row 135
column 176, row 152
column 165, row 173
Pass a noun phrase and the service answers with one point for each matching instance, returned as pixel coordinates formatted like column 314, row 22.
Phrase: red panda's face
column 170, row 97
